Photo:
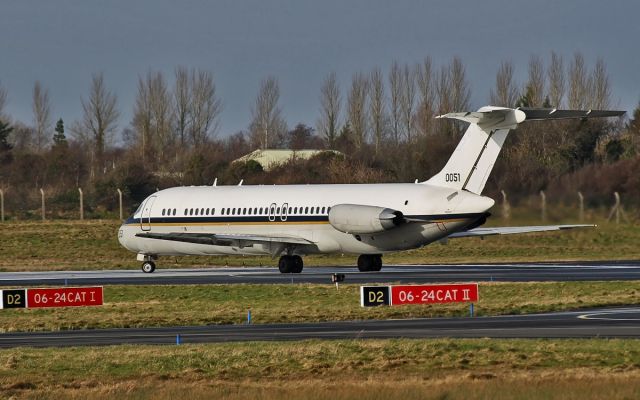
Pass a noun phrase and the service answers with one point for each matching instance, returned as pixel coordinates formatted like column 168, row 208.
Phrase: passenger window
column 249, row 211
column 163, row 212
column 174, row 212
column 196, row 211
column 306, row 210
column 317, row 210
column 255, row 210
column 191, row 211
column 278, row 210
column 244, row 211
column 290, row 210
column 213, row 211
column 222, row 211
column 323, row 210
column 186, row 211
column 260, row 210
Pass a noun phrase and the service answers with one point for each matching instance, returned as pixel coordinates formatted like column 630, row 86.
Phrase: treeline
column 382, row 121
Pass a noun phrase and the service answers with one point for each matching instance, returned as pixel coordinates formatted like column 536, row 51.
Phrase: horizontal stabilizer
column 512, row 230
column 538, row 114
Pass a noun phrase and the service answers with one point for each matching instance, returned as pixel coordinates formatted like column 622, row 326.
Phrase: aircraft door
column 145, row 217
column 272, row 212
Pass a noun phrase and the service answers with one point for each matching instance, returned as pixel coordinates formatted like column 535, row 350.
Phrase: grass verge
column 371, row 369
column 155, row 305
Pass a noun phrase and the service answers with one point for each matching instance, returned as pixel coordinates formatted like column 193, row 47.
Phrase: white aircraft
column 367, row 219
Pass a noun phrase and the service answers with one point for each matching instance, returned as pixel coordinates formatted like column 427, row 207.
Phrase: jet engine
column 356, row 219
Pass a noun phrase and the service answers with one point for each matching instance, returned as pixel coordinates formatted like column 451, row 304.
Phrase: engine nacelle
column 356, row 219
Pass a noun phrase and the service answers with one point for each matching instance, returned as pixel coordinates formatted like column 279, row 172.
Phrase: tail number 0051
column 452, row 177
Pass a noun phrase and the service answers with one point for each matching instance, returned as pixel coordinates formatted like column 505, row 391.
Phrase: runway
column 597, row 323
column 513, row 272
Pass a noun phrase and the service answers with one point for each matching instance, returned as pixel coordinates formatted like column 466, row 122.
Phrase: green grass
column 154, row 305
column 345, row 369
column 82, row 245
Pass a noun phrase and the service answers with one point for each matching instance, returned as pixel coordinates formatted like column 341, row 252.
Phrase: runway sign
column 13, row 298
column 371, row 296
column 52, row 297
column 434, row 294
column 65, row 297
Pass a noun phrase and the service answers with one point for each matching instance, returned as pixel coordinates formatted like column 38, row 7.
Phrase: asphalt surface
column 517, row 272
column 597, row 323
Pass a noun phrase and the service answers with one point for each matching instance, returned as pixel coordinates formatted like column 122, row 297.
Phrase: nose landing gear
column 148, row 267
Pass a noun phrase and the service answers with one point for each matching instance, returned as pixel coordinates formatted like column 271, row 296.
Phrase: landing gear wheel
column 290, row 264
column 297, row 264
column 148, row 267
column 284, row 265
column 369, row 262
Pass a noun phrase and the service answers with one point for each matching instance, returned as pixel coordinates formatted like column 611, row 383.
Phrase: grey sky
column 61, row 43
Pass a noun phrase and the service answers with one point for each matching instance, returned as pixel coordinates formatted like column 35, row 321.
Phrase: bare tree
column 443, row 89
column 395, row 91
column 267, row 125
column 206, row 107
column 41, row 106
column 579, row 84
column 425, row 81
column 459, row 86
column 506, row 93
column 330, row 109
column 536, row 82
column 453, row 94
column 377, row 111
column 182, row 100
column 356, row 108
column 99, row 118
column 556, row 80
column 142, row 117
column 3, row 99
column 153, row 116
column 600, row 87
column 407, row 101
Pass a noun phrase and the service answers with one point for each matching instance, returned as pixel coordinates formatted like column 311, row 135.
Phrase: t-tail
column 473, row 159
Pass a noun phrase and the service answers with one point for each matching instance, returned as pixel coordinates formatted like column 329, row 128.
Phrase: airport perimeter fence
column 535, row 208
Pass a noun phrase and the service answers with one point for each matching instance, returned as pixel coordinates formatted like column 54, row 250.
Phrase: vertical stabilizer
column 471, row 163
column 474, row 157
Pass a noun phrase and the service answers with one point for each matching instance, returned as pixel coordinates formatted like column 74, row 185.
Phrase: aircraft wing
column 511, row 230
column 220, row 239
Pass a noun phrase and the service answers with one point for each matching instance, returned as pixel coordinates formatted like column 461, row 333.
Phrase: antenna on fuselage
column 215, row 182
column 241, row 180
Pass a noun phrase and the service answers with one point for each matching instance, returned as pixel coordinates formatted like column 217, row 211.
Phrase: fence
column 43, row 204
column 617, row 210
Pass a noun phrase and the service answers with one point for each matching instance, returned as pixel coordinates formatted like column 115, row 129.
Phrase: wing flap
column 512, row 230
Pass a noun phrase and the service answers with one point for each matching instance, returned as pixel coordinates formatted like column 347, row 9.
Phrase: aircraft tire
column 285, row 264
column 364, row 263
column 297, row 264
column 148, row 267
column 377, row 262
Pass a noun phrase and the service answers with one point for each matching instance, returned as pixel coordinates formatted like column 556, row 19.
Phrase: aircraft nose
column 124, row 239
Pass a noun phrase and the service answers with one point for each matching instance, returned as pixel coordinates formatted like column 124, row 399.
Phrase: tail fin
column 471, row 163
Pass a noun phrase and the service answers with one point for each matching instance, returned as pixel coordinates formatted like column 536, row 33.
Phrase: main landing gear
column 290, row 264
column 369, row 262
